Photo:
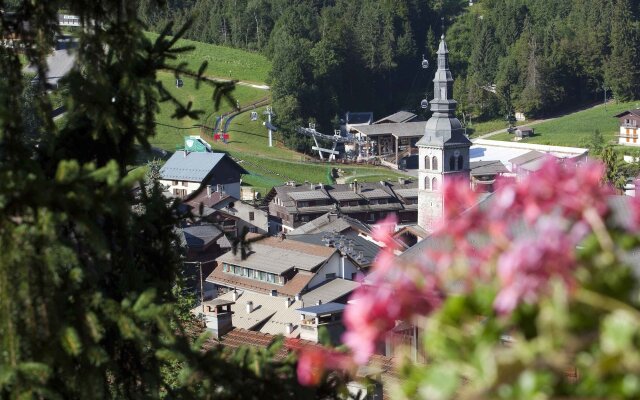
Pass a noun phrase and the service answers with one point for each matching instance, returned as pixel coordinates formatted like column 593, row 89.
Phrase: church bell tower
column 444, row 148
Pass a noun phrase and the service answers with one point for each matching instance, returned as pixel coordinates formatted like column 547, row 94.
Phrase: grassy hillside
column 575, row 129
column 248, row 143
column 224, row 62
column 170, row 131
column 271, row 166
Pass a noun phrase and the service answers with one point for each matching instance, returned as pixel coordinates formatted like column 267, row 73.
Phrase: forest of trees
column 333, row 56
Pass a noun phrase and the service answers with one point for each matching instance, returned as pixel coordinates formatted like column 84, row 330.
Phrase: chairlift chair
column 179, row 83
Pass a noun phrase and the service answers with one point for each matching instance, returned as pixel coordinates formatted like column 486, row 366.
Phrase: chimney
column 235, row 295
column 274, row 293
column 208, row 190
column 287, row 302
column 298, row 297
column 249, row 307
column 321, row 185
column 288, row 328
column 319, row 302
column 401, row 180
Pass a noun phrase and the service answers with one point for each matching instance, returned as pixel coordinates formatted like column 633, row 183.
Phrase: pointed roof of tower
column 443, row 128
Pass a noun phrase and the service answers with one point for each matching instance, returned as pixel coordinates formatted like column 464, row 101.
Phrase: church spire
column 443, row 104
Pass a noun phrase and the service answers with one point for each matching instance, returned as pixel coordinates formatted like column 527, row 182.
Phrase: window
column 179, row 192
column 253, row 229
column 427, row 183
column 460, row 162
column 175, row 183
column 452, row 163
column 185, row 183
column 304, row 218
column 434, row 163
column 237, row 270
column 427, row 162
column 251, row 215
column 353, row 203
column 372, row 217
column 330, row 275
column 303, row 204
column 434, row 184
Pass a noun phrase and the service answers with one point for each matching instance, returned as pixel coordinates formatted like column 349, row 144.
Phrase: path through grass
column 575, row 130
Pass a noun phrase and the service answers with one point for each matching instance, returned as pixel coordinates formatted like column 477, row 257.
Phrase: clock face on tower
column 456, row 153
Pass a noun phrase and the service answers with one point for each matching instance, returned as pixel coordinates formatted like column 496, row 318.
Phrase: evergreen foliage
column 336, row 56
column 90, row 300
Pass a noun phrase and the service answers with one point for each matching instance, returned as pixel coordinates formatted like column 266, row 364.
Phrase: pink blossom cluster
column 530, row 230
column 314, row 361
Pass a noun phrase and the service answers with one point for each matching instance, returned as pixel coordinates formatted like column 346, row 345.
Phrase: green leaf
column 71, row 342
column 618, row 330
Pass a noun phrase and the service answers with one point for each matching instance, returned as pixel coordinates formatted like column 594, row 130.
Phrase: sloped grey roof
column 635, row 112
column 200, row 235
column 487, row 168
column 527, row 157
column 345, row 195
column 399, row 117
column 330, row 223
column 368, row 248
column 276, row 260
column 330, row 291
column 405, row 129
column 375, row 194
column 193, row 167
column 322, row 309
column 309, row 195
column 410, row 192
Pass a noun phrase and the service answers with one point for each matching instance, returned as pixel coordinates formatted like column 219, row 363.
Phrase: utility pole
column 201, row 286
column 269, row 113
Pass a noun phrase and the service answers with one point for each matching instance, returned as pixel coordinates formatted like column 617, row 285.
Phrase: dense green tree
column 621, row 70
column 90, row 306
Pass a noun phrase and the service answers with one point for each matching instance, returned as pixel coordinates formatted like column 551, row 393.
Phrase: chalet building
column 294, row 205
column 485, row 173
column 333, row 222
column 232, row 215
column 629, row 124
column 197, row 165
column 522, row 132
column 285, row 286
column 201, row 244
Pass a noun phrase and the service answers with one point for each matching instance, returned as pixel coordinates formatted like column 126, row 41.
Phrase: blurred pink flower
column 314, row 361
column 384, row 230
column 525, row 270
column 374, row 309
column 571, row 189
column 635, row 212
